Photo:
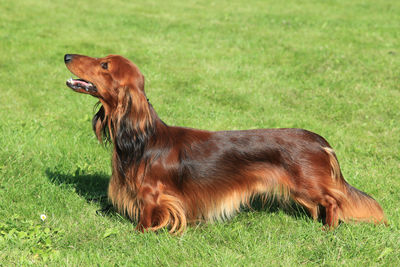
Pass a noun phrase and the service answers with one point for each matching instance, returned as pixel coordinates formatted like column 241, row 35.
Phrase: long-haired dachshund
column 165, row 176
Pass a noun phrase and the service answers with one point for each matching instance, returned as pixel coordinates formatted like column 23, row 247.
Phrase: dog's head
column 105, row 78
column 119, row 86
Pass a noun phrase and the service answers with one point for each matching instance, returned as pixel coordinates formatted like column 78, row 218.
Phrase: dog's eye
column 104, row 65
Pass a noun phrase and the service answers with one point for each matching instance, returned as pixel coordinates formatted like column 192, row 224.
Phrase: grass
column 332, row 67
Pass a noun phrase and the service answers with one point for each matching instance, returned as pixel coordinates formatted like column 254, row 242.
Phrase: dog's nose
column 67, row 58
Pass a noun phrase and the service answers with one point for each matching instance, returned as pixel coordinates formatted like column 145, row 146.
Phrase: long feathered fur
column 164, row 176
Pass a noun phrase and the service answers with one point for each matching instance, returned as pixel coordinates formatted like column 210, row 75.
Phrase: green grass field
column 332, row 67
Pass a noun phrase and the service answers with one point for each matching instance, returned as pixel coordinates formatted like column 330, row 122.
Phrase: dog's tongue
column 78, row 82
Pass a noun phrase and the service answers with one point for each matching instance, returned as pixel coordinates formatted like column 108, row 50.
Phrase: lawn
column 332, row 67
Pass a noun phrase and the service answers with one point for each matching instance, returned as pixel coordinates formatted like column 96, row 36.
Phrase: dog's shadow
column 92, row 187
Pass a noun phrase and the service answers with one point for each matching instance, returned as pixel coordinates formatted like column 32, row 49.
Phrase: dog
column 169, row 177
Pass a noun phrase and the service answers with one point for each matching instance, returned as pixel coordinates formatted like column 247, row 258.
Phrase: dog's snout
column 68, row 58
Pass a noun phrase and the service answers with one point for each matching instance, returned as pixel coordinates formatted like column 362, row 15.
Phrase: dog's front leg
column 145, row 221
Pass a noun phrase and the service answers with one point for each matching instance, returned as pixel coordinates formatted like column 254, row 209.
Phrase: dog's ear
column 133, row 126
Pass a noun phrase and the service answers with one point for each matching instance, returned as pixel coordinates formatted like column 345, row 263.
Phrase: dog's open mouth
column 80, row 84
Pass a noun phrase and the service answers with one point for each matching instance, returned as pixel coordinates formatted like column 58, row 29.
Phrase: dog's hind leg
column 331, row 210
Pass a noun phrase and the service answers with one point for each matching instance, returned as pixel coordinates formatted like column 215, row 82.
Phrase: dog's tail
column 354, row 205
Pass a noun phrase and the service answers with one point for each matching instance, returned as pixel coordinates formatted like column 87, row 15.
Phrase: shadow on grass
column 93, row 187
column 274, row 206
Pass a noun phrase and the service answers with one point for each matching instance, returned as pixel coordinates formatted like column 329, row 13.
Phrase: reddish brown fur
column 167, row 176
